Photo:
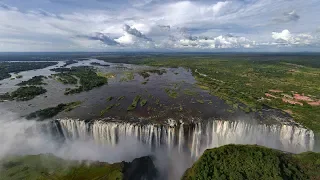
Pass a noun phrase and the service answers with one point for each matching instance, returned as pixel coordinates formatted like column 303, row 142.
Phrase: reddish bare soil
column 302, row 97
column 292, row 101
column 270, row 95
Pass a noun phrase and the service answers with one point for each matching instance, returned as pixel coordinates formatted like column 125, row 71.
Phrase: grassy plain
column 244, row 81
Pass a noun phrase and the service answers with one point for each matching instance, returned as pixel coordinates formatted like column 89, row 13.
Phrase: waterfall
column 193, row 138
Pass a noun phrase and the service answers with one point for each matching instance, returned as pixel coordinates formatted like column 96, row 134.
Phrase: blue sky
column 195, row 25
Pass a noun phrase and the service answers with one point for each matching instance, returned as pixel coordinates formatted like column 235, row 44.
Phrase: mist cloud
column 24, row 137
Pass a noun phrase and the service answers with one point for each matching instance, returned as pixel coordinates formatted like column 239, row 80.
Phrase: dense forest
column 47, row 166
column 15, row 67
column 253, row 162
column 87, row 75
column 50, row 112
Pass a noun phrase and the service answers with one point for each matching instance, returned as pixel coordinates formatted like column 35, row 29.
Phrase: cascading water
column 192, row 138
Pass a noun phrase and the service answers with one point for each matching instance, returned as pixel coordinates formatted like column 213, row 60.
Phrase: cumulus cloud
column 287, row 38
column 133, row 31
column 157, row 24
column 226, row 41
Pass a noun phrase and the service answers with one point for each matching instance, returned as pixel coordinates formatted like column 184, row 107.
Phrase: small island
column 27, row 93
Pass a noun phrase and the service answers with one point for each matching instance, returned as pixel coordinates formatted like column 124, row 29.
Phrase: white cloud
column 287, row 38
column 163, row 24
column 227, row 41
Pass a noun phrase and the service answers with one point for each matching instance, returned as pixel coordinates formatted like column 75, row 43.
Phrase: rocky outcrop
column 140, row 169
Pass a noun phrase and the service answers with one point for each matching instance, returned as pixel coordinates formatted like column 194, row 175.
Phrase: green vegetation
column 157, row 101
column 5, row 97
column 106, row 75
column 46, row 166
column 15, row 67
column 144, row 74
column 245, row 80
column 87, row 75
column 107, row 109
column 253, row 162
column 47, row 113
column 66, row 78
column 201, row 101
column 128, row 76
column 120, row 98
column 145, row 82
column 19, row 76
column 134, row 103
column 26, row 93
column 36, row 80
column 110, row 98
column 69, row 62
column 158, row 71
column 171, row 93
column 143, row 102
column 99, row 64
column 190, row 92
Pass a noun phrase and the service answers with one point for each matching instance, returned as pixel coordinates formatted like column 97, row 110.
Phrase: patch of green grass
column 120, row 98
column 106, row 109
column 190, row 92
column 143, row 102
column 201, row 101
column 134, row 103
column 144, row 74
column 72, row 105
column 171, row 93
column 157, row 101
column 106, row 75
column 145, row 82
column 110, row 98
column 128, row 76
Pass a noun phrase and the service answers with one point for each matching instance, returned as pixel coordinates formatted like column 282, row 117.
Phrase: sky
column 173, row 25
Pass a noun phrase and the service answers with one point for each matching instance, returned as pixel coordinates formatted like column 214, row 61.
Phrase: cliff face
column 51, row 167
column 253, row 162
column 193, row 139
